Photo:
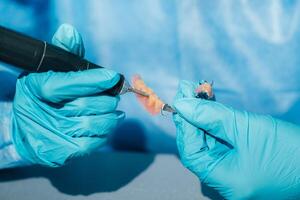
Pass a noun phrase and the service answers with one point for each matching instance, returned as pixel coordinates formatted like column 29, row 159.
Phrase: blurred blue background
column 249, row 48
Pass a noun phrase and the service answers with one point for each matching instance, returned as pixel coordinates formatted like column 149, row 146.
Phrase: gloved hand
column 58, row 116
column 240, row 154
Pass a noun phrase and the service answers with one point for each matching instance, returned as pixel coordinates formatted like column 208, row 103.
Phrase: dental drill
column 33, row 55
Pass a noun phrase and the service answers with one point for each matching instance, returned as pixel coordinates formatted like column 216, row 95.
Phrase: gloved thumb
column 210, row 116
column 69, row 39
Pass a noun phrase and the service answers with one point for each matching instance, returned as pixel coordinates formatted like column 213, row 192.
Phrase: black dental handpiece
column 34, row 55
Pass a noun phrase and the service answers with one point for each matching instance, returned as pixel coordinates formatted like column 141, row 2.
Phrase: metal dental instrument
column 167, row 108
column 138, row 92
column 128, row 88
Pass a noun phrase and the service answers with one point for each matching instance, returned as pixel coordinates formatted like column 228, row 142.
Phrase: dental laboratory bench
column 107, row 176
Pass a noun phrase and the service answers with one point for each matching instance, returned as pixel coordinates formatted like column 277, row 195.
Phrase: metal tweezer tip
column 168, row 108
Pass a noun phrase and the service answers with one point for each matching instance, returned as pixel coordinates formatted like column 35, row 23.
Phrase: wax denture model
column 154, row 105
column 205, row 91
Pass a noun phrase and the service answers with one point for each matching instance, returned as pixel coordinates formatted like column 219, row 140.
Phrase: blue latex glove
column 58, row 116
column 242, row 155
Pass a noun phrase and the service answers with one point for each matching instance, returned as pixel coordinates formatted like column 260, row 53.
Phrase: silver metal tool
column 128, row 88
column 166, row 107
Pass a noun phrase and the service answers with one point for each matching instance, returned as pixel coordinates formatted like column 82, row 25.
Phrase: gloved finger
column 189, row 138
column 85, row 145
column 192, row 148
column 213, row 117
column 185, row 89
column 191, row 141
column 68, row 38
column 91, row 126
column 94, row 105
column 74, row 147
column 63, row 86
